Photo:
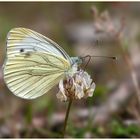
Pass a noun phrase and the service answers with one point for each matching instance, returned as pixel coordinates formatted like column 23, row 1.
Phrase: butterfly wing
column 32, row 69
column 23, row 39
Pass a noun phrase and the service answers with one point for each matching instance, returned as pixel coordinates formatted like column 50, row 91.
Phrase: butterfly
column 34, row 64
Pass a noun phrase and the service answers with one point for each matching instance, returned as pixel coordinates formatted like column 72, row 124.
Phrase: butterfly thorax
column 75, row 62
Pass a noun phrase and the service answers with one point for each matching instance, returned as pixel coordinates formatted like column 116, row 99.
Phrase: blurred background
column 81, row 28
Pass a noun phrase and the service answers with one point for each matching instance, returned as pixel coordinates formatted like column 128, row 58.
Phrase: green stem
column 66, row 118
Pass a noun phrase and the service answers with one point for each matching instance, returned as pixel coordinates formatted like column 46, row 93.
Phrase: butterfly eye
column 21, row 50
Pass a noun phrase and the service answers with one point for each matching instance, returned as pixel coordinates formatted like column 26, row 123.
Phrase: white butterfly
column 34, row 63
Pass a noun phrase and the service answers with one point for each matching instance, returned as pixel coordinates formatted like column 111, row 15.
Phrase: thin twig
column 131, row 68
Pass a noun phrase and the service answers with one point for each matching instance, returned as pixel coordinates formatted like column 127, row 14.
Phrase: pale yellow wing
column 30, row 73
column 23, row 39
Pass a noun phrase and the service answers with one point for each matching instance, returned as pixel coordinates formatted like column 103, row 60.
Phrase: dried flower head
column 103, row 22
column 76, row 86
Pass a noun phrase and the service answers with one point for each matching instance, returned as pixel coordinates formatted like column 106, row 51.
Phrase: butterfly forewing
column 34, row 63
column 32, row 41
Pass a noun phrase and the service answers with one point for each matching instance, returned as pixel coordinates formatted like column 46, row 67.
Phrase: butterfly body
column 34, row 64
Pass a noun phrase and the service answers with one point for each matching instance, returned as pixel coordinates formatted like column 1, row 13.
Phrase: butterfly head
column 76, row 60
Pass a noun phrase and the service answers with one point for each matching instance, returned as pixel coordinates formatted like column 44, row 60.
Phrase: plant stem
column 66, row 117
column 131, row 69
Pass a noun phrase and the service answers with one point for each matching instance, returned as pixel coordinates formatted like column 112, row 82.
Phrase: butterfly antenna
column 89, row 56
column 108, row 57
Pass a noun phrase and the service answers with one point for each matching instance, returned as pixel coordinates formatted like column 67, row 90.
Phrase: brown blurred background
column 81, row 28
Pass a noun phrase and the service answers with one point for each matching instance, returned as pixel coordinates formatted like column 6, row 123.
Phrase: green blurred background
column 81, row 28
